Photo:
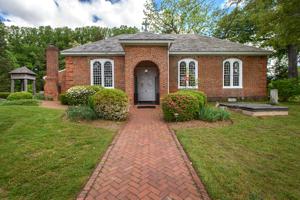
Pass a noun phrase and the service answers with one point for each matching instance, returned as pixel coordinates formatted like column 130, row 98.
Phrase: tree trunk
column 292, row 57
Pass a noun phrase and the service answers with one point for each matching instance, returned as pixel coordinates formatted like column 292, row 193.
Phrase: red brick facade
column 136, row 54
column 78, row 71
column 210, row 76
column 51, row 85
column 210, row 72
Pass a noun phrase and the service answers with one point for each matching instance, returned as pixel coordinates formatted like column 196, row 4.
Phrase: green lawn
column 255, row 158
column 44, row 157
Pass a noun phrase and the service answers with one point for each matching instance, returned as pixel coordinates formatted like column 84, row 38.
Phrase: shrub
column 295, row 99
column 286, row 88
column 79, row 95
column 63, row 99
column 110, row 104
column 39, row 96
column 213, row 114
column 4, row 95
column 48, row 98
column 201, row 97
column 180, row 106
column 21, row 102
column 19, row 95
column 76, row 113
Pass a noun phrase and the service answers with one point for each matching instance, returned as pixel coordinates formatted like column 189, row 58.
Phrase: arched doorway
column 146, row 83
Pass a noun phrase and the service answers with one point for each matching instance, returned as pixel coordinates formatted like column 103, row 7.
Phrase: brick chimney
column 51, row 85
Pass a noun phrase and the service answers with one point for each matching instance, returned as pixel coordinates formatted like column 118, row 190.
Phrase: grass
column 45, row 157
column 21, row 102
column 255, row 158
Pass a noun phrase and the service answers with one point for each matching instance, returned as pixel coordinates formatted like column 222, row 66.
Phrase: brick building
column 147, row 66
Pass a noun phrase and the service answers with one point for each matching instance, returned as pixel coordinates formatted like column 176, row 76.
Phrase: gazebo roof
column 22, row 70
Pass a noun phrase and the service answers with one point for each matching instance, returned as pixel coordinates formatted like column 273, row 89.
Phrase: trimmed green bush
column 63, row 99
column 39, row 96
column 286, row 88
column 202, row 99
column 180, row 106
column 20, row 102
column 76, row 113
column 295, row 99
column 213, row 114
column 19, row 95
column 79, row 95
column 111, row 104
column 4, row 95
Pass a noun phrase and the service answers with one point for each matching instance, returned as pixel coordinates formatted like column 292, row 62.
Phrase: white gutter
column 220, row 53
column 170, row 52
column 90, row 53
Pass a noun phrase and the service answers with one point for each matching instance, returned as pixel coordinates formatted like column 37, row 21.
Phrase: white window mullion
column 187, row 74
column 231, row 73
column 102, row 73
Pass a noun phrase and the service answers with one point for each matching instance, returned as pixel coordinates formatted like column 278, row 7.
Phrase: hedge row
column 19, row 96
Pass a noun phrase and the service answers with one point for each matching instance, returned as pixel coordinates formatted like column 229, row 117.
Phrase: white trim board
column 220, row 53
column 118, row 53
column 92, row 53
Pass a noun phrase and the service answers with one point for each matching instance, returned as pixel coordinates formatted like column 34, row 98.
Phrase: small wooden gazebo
column 23, row 74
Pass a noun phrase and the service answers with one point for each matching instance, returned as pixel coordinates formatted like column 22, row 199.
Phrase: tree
column 5, row 62
column 274, row 23
column 21, row 46
column 180, row 16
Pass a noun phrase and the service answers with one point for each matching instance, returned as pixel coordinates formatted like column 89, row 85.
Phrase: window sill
column 187, row 87
column 230, row 87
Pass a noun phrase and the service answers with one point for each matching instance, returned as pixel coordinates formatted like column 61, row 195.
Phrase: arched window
column 232, row 73
column 102, row 73
column 97, row 75
column 187, row 73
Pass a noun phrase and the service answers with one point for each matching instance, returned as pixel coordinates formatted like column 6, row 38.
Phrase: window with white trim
column 187, row 73
column 232, row 73
column 102, row 72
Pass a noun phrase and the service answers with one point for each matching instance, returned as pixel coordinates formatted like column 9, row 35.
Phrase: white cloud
column 72, row 13
column 232, row 3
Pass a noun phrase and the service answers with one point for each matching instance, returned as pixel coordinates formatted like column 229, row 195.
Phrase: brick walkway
column 53, row 104
column 144, row 162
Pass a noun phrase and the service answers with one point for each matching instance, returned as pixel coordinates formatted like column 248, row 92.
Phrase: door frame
column 149, row 65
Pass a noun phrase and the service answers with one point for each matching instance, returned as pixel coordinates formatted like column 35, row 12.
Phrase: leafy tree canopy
column 181, row 16
column 274, row 23
column 5, row 61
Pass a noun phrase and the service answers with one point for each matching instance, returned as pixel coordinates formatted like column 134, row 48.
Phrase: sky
column 74, row 13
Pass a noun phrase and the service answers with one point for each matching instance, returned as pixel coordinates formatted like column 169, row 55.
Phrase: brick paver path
column 53, row 104
column 143, row 163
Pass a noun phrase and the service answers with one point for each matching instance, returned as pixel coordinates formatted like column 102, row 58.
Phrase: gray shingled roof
column 22, row 70
column 180, row 43
column 146, row 36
